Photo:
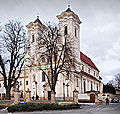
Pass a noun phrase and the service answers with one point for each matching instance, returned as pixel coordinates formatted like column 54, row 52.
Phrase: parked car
column 115, row 100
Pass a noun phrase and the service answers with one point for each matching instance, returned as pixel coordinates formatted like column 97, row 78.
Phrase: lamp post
column 67, row 90
column 24, row 71
column 63, row 91
column 36, row 90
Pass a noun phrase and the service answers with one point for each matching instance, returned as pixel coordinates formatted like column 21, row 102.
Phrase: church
column 87, row 82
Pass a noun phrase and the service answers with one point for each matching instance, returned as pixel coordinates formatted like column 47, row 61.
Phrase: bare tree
column 117, row 80
column 59, row 53
column 14, row 41
column 110, row 83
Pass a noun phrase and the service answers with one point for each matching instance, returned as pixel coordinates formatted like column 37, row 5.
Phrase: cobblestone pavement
column 91, row 109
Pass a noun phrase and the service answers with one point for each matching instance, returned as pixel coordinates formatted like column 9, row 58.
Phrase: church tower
column 34, row 28
column 69, row 23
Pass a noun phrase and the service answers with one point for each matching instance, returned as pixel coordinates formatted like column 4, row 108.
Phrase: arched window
column 33, row 38
column 82, row 67
column 43, row 59
column 97, row 87
column 65, row 31
column 84, row 87
column 77, row 82
column 89, row 70
column 91, row 86
column 75, row 32
column 43, row 76
column 94, row 73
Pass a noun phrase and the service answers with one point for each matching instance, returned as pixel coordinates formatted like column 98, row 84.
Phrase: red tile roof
column 87, row 60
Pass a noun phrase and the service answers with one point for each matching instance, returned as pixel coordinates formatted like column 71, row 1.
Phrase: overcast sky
column 100, row 28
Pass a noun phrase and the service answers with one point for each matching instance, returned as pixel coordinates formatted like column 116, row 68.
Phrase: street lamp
column 67, row 90
column 64, row 91
column 36, row 90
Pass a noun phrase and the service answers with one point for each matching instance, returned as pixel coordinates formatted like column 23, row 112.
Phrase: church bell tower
column 69, row 23
column 34, row 29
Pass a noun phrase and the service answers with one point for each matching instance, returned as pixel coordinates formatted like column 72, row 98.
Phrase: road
column 91, row 109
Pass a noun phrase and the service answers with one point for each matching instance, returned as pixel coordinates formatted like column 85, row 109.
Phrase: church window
column 97, row 87
column 77, row 82
column 75, row 32
column 66, row 31
column 94, row 73
column 20, row 82
column 43, row 59
column 82, row 67
column 0, row 85
column 43, row 76
column 91, row 86
column 84, row 87
column 97, row 74
column 33, row 38
column 89, row 70
column 26, row 82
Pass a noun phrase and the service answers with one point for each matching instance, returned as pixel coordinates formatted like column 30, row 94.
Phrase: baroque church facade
column 88, row 81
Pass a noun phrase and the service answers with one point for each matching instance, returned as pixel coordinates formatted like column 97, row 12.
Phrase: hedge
column 2, row 107
column 40, row 107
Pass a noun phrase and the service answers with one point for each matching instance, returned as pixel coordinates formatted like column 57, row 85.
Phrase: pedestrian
column 37, row 97
column 32, row 97
column 107, row 101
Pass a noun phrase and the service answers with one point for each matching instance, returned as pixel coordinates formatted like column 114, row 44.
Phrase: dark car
column 115, row 100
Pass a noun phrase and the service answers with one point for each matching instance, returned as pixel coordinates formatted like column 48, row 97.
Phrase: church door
column 92, row 97
column 49, row 95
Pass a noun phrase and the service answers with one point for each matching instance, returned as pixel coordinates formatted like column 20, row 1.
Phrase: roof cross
column 37, row 15
column 68, row 4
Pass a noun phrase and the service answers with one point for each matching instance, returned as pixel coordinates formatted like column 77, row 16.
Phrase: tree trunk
column 8, row 93
column 52, row 97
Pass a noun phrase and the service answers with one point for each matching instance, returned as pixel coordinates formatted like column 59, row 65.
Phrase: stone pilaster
column 28, row 96
column 16, row 96
column 75, row 96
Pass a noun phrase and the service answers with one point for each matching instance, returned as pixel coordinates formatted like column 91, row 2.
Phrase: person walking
column 107, row 101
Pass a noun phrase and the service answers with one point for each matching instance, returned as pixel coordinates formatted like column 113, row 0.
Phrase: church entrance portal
column 49, row 95
column 92, row 97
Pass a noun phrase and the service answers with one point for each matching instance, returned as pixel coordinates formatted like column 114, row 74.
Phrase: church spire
column 68, row 4
column 37, row 20
column 68, row 10
column 37, row 15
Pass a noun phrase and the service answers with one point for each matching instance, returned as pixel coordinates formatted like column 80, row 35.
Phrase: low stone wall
column 6, row 102
column 64, row 102
column 40, row 101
